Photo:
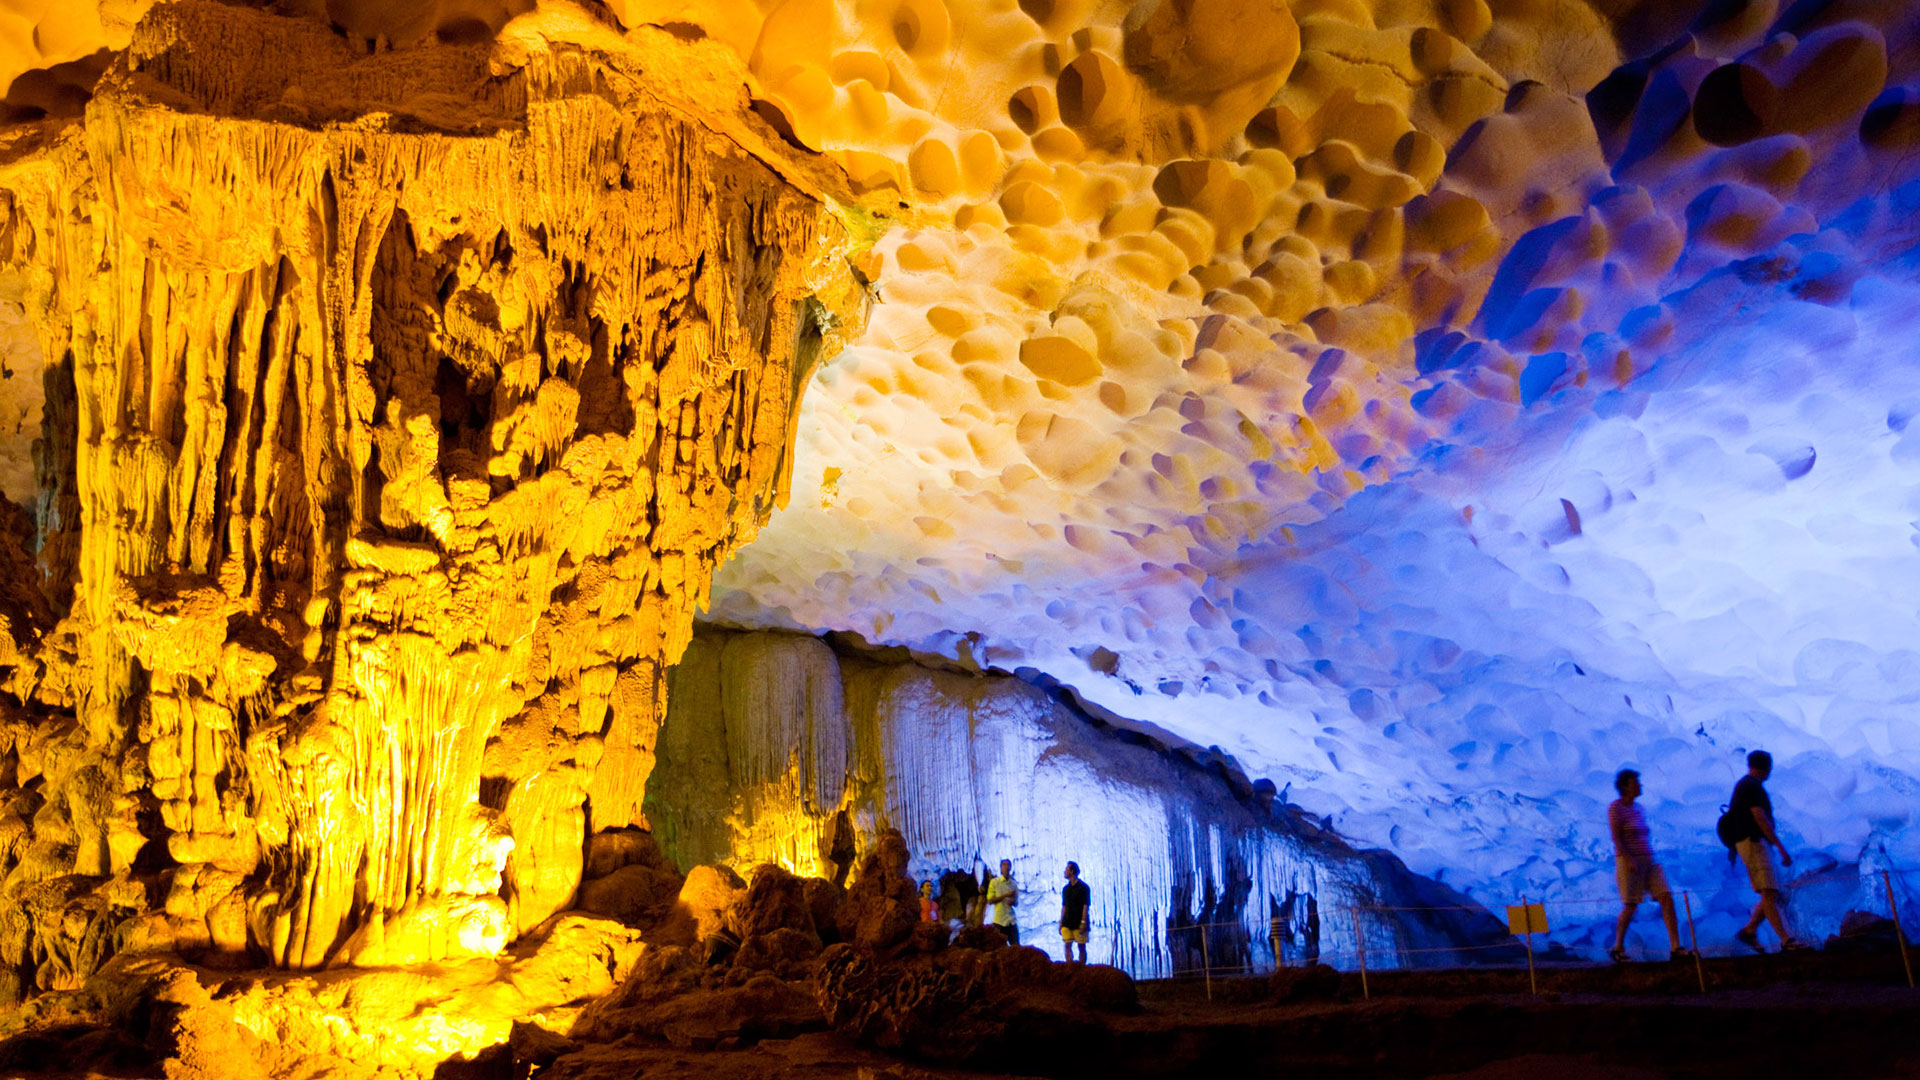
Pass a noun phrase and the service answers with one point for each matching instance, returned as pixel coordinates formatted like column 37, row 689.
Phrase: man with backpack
column 1747, row 827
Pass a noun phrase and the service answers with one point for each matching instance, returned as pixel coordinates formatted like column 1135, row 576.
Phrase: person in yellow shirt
column 1002, row 896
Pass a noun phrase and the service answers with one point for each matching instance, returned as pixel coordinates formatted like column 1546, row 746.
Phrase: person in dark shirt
column 1752, row 811
column 1076, row 902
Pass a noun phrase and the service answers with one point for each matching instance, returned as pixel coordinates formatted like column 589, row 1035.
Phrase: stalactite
column 386, row 463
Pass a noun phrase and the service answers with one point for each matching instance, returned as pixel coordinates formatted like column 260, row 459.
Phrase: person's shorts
column 1638, row 880
column 1068, row 933
column 1010, row 931
column 1759, row 863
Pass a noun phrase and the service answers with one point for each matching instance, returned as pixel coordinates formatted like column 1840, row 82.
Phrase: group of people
column 1001, row 896
column 1747, row 828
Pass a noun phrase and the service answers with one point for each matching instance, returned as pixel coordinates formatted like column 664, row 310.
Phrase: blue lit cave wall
column 1627, row 476
column 780, row 748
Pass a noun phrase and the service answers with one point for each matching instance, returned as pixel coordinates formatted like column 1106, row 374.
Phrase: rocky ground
column 721, row 979
column 1816, row 1016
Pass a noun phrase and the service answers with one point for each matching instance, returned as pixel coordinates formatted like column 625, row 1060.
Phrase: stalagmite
column 414, row 399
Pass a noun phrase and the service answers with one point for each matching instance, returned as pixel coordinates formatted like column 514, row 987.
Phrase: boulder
column 1862, row 931
column 635, row 893
column 616, row 848
column 824, row 901
column 980, row 938
column 703, row 909
column 883, row 905
column 1314, row 982
column 776, row 900
column 1021, row 965
column 786, row 952
column 670, row 997
column 966, row 1005
column 928, row 937
column 1097, row 986
column 577, row 957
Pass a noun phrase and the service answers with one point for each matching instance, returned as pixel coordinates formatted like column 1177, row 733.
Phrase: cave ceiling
column 1436, row 404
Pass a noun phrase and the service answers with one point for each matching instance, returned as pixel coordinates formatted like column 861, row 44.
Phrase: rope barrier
column 1423, row 907
column 1332, row 952
column 1460, row 948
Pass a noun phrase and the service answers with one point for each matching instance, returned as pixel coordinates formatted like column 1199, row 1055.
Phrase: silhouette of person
column 1076, row 904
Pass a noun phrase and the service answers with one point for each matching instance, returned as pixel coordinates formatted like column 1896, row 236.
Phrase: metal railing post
column 1360, row 937
column 1899, row 933
column 1693, row 936
column 1206, row 963
column 1533, row 985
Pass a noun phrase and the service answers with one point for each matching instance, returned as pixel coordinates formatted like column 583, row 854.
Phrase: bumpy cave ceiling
column 1436, row 404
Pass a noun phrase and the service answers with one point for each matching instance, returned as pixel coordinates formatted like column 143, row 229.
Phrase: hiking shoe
column 1617, row 955
column 1795, row 945
column 1681, row 954
column 1749, row 938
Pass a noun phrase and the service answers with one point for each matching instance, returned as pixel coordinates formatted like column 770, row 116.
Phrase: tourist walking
column 1002, row 896
column 929, row 907
column 1749, row 825
column 1634, row 867
column 1076, row 902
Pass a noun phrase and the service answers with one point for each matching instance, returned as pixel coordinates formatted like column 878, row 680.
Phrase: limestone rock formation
column 984, row 1008
column 355, row 1024
column 1439, row 404
column 773, row 743
column 399, row 408
column 1436, row 404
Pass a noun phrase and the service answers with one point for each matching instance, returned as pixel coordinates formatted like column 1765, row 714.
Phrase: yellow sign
column 1526, row 919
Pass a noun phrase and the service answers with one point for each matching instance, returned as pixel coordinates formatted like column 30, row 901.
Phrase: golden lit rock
column 1348, row 384
column 414, row 400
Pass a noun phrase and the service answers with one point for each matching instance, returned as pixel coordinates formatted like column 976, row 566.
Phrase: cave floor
column 1831, row 1030
column 1816, row 1014
column 1821, row 1015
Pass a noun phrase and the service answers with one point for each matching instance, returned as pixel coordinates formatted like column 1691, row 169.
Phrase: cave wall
column 777, row 748
column 1439, row 404
column 398, row 410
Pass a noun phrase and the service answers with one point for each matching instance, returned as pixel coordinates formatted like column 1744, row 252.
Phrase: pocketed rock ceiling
column 1437, row 404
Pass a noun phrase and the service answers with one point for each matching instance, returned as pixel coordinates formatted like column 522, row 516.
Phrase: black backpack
column 1729, row 830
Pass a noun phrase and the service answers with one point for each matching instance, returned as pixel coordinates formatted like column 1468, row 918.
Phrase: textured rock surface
column 964, row 1005
column 398, row 410
column 894, row 984
column 206, row 1024
column 1436, row 403
column 1439, row 405
column 967, row 767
